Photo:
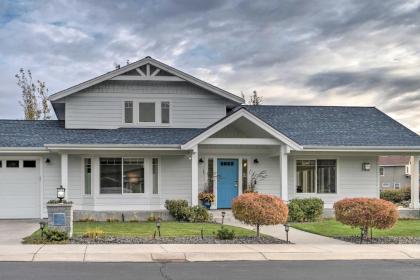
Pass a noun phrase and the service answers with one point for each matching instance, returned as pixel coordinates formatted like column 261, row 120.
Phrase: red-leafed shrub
column 259, row 209
column 366, row 213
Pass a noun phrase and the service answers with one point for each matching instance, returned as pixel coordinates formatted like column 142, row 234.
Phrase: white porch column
column 194, row 176
column 415, row 182
column 65, row 172
column 283, row 172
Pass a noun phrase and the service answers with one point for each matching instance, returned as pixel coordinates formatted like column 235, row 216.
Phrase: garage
column 19, row 188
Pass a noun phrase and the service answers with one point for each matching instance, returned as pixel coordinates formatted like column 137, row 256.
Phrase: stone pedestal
column 60, row 217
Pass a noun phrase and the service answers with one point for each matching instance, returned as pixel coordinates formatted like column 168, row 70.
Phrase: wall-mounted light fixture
column 47, row 160
column 201, row 160
column 366, row 166
column 256, row 161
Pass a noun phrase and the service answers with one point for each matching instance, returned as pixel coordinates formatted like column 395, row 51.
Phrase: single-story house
column 394, row 172
column 134, row 137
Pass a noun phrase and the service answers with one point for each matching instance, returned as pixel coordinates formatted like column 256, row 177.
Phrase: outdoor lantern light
column 158, row 226
column 286, row 229
column 366, row 166
column 256, row 161
column 42, row 227
column 47, row 160
column 223, row 216
column 200, row 160
column 61, row 193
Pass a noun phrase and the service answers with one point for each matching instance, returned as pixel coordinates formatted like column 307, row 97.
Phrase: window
column 165, row 112
column 29, row 164
column 133, row 170
column 381, row 171
column 12, row 164
column 397, row 185
column 210, row 175
column 316, row 176
column 147, row 112
column 386, row 185
column 110, row 175
column 244, row 175
column 88, row 175
column 155, row 171
column 128, row 111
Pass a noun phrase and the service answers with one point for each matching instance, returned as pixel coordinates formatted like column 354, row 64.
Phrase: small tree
column 34, row 96
column 366, row 213
column 254, row 99
column 259, row 209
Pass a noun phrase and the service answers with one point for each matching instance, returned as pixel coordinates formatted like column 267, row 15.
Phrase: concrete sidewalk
column 204, row 252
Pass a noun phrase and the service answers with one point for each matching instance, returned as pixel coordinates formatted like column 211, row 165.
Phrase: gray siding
column 101, row 106
column 51, row 180
column 393, row 175
column 351, row 180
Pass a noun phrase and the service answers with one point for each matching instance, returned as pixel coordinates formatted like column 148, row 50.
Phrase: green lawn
column 333, row 228
column 147, row 229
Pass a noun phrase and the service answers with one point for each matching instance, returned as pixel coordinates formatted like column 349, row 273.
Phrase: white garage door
column 19, row 188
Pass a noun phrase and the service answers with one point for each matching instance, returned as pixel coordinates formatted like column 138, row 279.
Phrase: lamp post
column 61, row 193
column 42, row 227
column 223, row 216
column 158, row 225
column 286, row 229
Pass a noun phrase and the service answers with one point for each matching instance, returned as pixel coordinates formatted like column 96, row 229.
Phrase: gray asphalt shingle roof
column 20, row 133
column 306, row 125
column 336, row 126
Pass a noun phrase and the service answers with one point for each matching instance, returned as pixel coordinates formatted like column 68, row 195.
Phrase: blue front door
column 227, row 182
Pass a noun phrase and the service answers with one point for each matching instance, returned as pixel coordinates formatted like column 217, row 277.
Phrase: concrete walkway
column 204, row 252
column 12, row 231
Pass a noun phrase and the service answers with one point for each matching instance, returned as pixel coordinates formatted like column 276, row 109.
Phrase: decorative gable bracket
column 148, row 72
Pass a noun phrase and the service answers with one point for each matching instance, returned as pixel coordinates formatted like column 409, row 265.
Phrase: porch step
column 217, row 216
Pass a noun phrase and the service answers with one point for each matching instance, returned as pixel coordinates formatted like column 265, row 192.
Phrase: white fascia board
column 132, row 66
column 405, row 149
column 235, row 116
column 23, row 150
column 116, row 147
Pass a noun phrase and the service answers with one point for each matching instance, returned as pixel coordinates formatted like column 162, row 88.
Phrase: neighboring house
column 134, row 137
column 395, row 172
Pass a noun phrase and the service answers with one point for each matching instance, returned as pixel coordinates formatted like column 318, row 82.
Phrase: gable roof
column 37, row 134
column 147, row 60
column 334, row 126
column 393, row 160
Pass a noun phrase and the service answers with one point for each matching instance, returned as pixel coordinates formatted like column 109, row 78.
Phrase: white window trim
column 397, row 184
column 148, row 174
column 158, row 113
column 383, row 171
column 83, row 176
column 316, row 176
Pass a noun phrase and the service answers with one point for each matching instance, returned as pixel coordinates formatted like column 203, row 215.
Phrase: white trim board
column 235, row 116
column 147, row 60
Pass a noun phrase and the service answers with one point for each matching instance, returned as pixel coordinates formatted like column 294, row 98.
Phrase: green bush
column 177, row 208
column 198, row 214
column 224, row 234
column 396, row 196
column 180, row 210
column 305, row 210
column 55, row 235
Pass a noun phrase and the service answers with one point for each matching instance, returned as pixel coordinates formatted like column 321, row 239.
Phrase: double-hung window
column 128, row 112
column 87, row 173
column 316, row 176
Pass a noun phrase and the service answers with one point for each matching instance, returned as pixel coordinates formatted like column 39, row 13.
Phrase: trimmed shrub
column 305, row 210
column 259, row 209
column 366, row 213
column 180, row 210
column 198, row 214
column 396, row 196
column 225, row 234
column 55, row 235
column 177, row 208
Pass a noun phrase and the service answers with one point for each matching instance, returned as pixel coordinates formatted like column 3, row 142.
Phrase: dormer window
column 149, row 113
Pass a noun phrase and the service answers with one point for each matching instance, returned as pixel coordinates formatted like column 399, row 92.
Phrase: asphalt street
column 299, row 270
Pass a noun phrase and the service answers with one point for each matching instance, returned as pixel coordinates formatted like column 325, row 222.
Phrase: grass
column 145, row 229
column 332, row 228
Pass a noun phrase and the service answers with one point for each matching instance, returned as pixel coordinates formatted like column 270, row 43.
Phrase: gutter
column 415, row 149
column 95, row 147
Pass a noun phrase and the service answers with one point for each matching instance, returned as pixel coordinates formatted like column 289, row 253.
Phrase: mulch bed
column 176, row 240
column 382, row 240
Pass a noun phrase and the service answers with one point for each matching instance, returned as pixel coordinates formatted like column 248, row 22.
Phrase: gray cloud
column 292, row 51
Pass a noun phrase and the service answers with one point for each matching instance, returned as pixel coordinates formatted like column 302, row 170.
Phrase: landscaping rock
column 382, row 240
column 176, row 240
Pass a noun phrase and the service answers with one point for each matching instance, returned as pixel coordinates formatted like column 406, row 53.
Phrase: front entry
column 227, row 182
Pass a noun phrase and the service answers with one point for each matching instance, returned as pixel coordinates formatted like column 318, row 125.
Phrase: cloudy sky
column 362, row 53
